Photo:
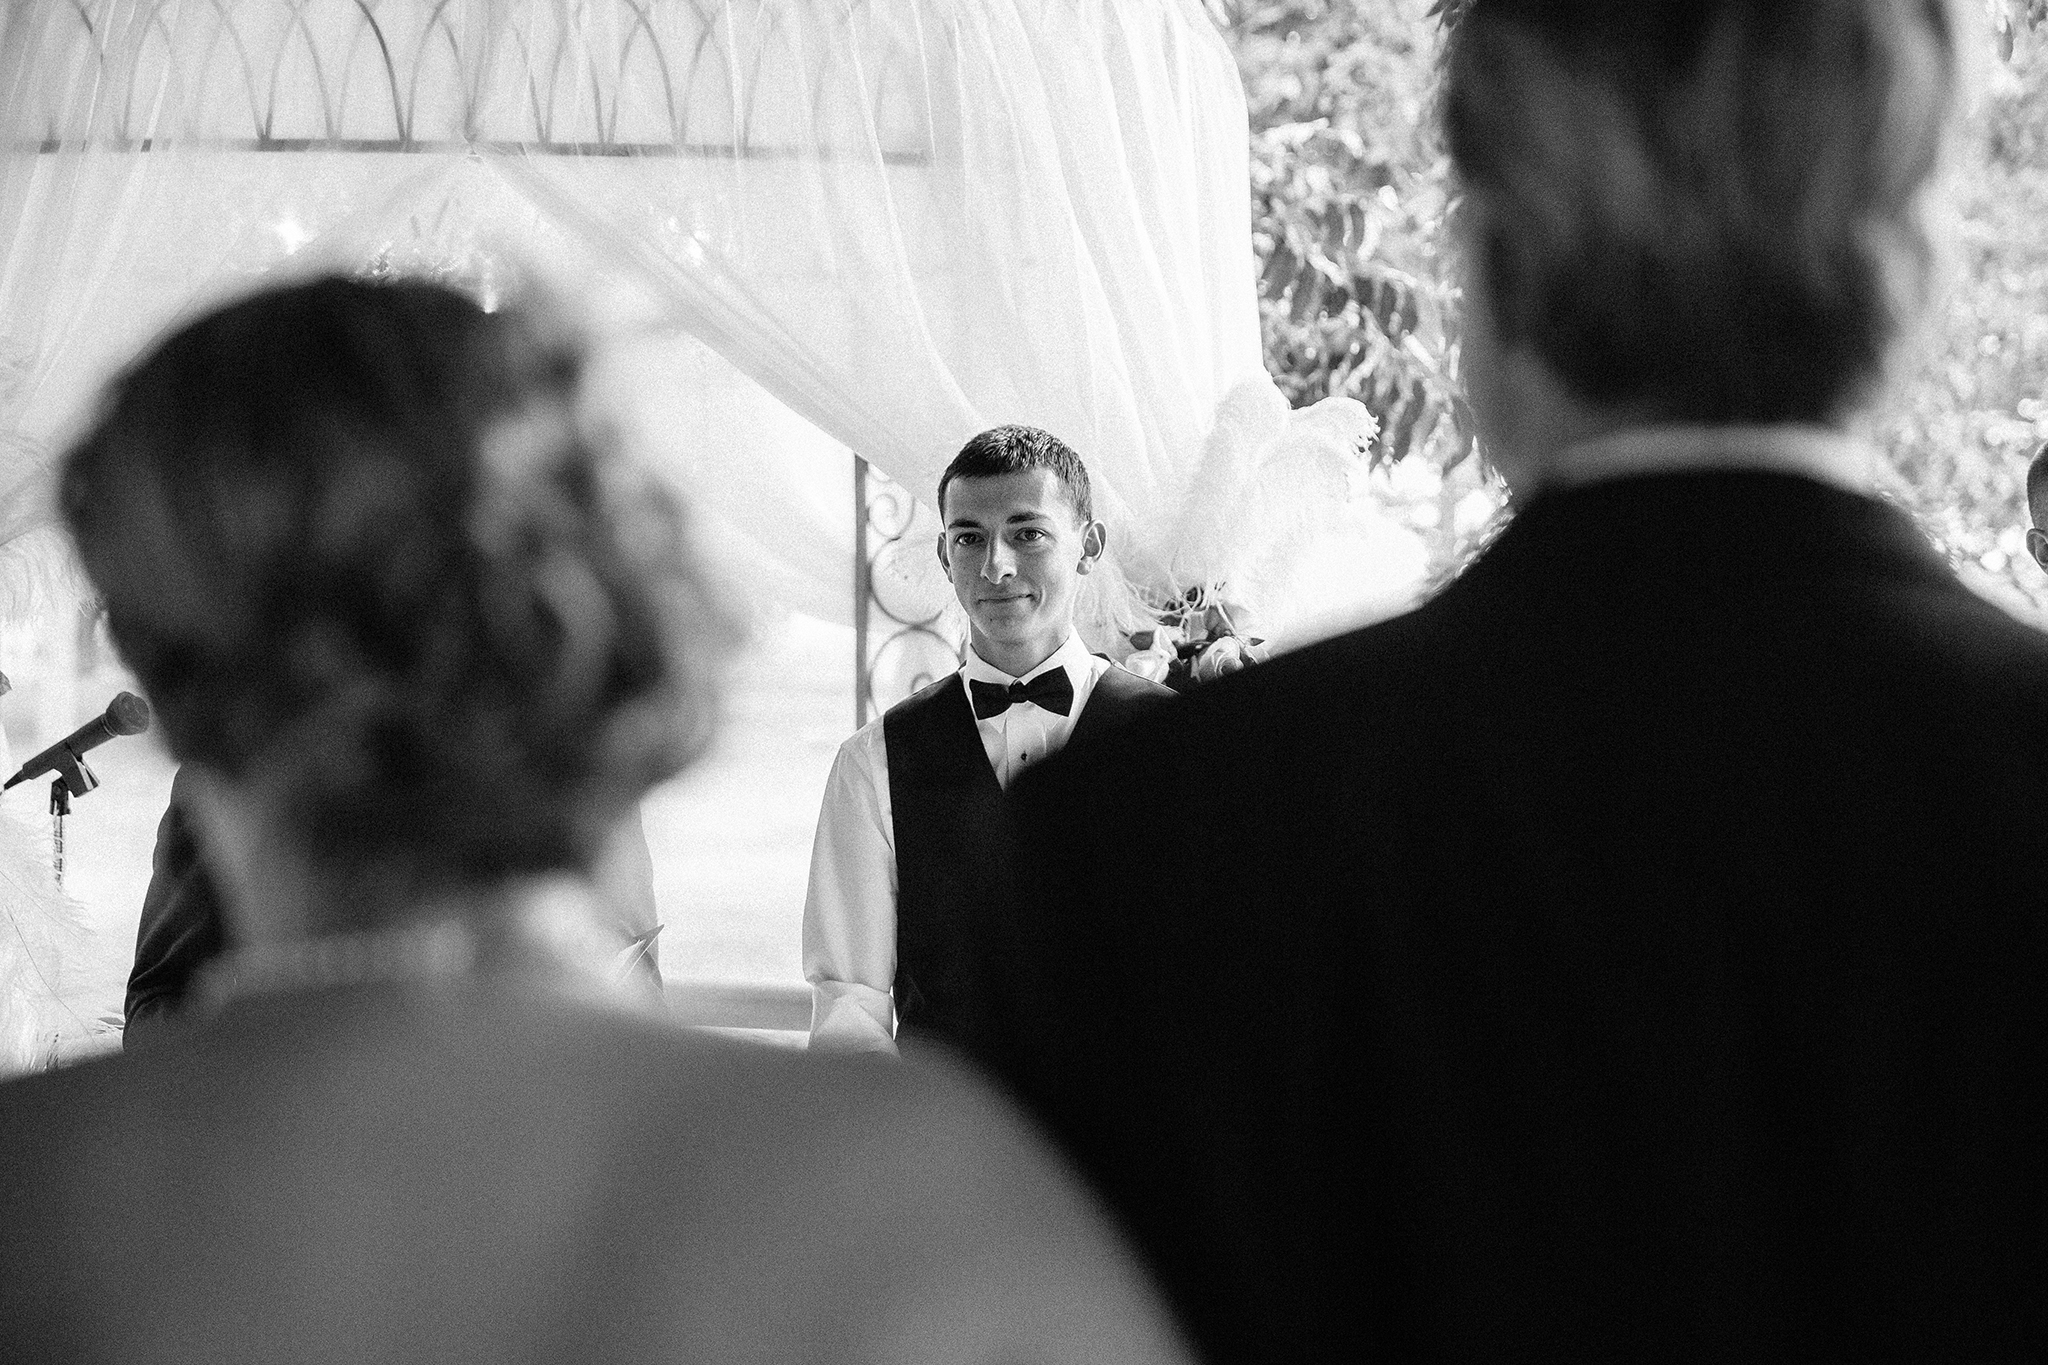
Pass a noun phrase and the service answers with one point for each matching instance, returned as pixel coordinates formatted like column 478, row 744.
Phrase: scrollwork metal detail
column 900, row 645
column 593, row 78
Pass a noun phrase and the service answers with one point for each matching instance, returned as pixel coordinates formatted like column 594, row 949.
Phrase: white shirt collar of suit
column 1072, row 656
column 1816, row 452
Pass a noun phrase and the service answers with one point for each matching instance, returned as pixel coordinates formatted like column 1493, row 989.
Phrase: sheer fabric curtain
column 907, row 220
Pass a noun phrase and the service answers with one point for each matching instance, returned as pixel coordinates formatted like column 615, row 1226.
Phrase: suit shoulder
column 871, row 739
column 1119, row 682
column 51, row 1114
column 926, row 696
column 1989, row 626
column 1312, row 680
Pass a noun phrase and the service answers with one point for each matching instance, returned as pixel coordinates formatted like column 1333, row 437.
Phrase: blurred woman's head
column 1702, row 211
column 380, row 581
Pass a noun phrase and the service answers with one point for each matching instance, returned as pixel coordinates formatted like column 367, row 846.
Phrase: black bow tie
column 1052, row 689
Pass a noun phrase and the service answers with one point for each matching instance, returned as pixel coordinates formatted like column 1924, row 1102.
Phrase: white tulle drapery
column 810, row 226
column 907, row 220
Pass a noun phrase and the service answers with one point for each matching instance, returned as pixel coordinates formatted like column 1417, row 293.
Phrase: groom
column 911, row 832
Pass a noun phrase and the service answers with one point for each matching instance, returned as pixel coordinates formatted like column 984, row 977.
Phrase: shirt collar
column 1072, row 656
column 1817, row 452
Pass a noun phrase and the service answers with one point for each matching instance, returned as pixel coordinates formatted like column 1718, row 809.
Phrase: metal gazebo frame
column 376, row 69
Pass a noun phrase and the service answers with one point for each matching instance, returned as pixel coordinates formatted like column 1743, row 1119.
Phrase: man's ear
column 944, row 562
column 1094, row 540
column 2037, row 545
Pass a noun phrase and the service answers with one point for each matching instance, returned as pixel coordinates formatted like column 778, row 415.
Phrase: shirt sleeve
column 850, row 906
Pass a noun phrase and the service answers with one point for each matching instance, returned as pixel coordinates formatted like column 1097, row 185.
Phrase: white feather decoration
column 1269, row 482
column 38, row 572
column 44, row 935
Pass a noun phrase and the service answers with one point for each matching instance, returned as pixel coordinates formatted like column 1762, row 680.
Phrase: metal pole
column 863, row 590
column 60, row 806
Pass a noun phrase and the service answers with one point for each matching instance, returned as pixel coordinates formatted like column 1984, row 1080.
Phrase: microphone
column 126, row 714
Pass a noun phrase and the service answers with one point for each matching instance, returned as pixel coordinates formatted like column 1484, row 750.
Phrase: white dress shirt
column 850, row 907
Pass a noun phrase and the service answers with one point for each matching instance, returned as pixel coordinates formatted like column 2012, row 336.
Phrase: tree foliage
column 1350, row 190
column 1351, row 198
column 1351, row 201
column 1967, row 412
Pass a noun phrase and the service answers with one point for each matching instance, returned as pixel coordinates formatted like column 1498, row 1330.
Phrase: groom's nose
column 999, row 563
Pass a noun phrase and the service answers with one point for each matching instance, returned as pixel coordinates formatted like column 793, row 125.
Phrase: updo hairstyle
column 1710, row 210
column 367, row 563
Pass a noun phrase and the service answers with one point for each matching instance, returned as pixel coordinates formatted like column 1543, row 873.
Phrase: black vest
column 951, row 846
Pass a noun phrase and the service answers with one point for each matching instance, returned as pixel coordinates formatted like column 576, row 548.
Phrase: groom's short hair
column 1710, row 209
column 1015, row 449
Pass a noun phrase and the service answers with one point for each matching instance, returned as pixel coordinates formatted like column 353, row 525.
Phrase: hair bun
column 355, row 541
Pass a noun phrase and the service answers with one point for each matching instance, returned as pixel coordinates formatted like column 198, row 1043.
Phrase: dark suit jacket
column 181, row 929
column 1635, row 953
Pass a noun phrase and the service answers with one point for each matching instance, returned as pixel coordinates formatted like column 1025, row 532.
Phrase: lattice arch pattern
column 906, row 220
column 592, row 77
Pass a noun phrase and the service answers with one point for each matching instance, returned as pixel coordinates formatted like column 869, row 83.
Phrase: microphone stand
column 126, row 714
column 73, row 779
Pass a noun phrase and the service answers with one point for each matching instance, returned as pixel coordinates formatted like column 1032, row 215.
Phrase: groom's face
column 1016, row 550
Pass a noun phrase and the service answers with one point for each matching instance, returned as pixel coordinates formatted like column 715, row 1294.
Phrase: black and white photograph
column 1023, row 681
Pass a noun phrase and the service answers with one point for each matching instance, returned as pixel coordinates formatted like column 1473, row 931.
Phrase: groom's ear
column 1094, row 540
column 944, row 562
column 2037, row 545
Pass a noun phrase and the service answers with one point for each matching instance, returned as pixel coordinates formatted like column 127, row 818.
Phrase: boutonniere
column 1194, row 642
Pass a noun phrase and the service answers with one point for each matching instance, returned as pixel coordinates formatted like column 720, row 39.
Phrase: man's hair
column 2037, row 487
column 1015, row 449
column 1710, row 209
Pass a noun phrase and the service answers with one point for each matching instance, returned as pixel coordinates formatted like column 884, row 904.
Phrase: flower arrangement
column 1194, row 642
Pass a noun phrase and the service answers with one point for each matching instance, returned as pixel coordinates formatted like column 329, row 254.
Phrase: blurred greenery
column 1968, row 413
column 1351, row 192
column 1350, row 195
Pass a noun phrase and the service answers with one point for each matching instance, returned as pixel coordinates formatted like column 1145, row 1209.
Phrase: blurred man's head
column 1019, row 533
column 2037, row 506
column 1695, row 211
